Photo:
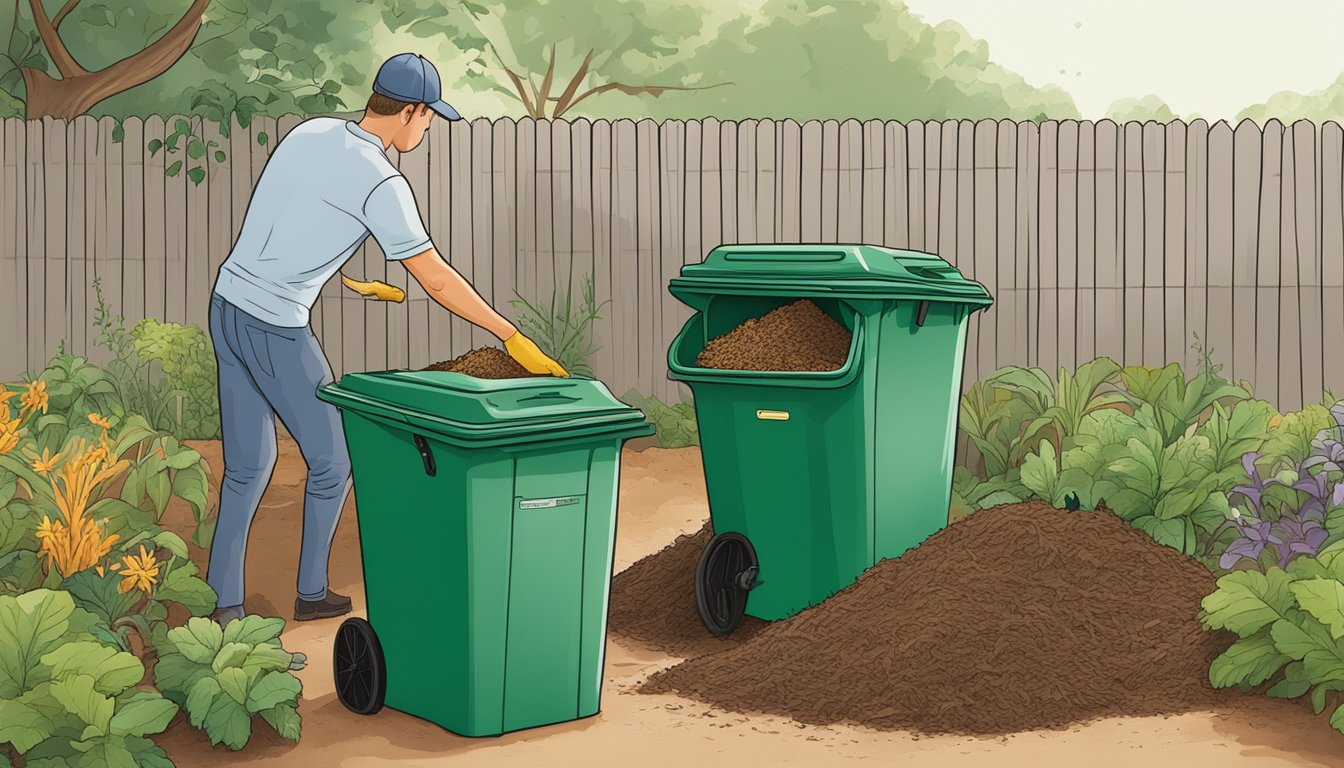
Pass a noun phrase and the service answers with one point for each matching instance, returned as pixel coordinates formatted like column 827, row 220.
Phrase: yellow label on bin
column 773, row 415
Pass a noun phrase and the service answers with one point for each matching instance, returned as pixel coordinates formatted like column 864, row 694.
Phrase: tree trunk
column 62, row 99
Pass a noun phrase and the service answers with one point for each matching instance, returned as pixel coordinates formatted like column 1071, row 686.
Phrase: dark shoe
column 329, row 606
column 222, row 616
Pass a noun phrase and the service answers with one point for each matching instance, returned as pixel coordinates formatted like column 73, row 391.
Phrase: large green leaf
column 192, row 486
column 201, row 698
column 273, row 688
column 229, row 723
column 233, row 680
column 112, row 671
column 147, row 753
column 182, row 585
column 264, row 658
column 31, row 625
column 80, row 697
column 99, row 594
column 1250, row 661
column 1324, row 600
column 1322, row 657
column 253, row 630
column 230, row 655
column 21, row 725
column 1247, row 601
column 284, row 718
column 175, row 675
column 104, row 753
column 143, row 714
column 198, row 640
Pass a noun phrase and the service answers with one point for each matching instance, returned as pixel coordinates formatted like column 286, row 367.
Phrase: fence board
column 175, row 227
column 134, row 246
column 604, row 248
column 1071, row 318
column 978, row 233
column 1132, row 238
column 1267, row 277
column 790, row 216
column 584, row 208
column 56, row 327
column 108, row 237
column 624, row 244
column 1332, row 253
column 1196, row 245
column 1085, row 302
column 1006, row 169
column 895, row 180
column 218, row 215
column 1045, row 315
column 1172, row 278
column 1220, row 183
column 728, row 224
column 745, row 219
column 76, row 232
column 36, row 246
column 482, row 226
column 945, row 223
column 849, row 183
column 1310, row 345
column 1027, row 238
column 766, row 179
column 524, row 212
column 13, row 257
column 645, row 320
column 1153, row 196
column 830, row 181
column 1288, row 336
column 548, row 279
column 873, row 151
column 671, row 231
column 196, row 235
column 1245, row 232
column 455, row 246
column 810, row 196
column 1109, row 275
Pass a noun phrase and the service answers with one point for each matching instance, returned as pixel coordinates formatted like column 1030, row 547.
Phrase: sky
column 1209, row 57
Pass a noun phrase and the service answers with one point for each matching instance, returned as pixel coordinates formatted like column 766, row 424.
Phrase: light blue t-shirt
column 326, row 188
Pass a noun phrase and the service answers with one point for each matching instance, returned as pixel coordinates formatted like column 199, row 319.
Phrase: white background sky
column 1211, row 57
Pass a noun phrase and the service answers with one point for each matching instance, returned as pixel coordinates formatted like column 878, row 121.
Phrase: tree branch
column 517, row 83
column 60, row 55
column 566, row 98
column 545, row 94
column 635, row 90
column 65, row 11
column 155, row 59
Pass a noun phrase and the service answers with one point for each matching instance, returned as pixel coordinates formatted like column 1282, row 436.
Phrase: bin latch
column 422, row 446
column 921, row 314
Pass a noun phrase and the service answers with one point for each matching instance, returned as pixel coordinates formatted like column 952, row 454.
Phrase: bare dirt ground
column 662, row 495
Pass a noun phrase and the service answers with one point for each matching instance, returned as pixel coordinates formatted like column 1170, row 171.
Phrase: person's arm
column 447, row 286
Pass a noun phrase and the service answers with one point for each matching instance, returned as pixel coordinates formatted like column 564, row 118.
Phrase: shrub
column 674, row 424
column 562, row 329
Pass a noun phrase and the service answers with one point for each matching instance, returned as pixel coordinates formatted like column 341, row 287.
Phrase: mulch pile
column 1017, row 618
column 795, row 337
column 484, row 363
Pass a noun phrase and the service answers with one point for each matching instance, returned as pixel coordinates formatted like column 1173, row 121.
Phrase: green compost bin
column 487, row 518
column 814, row 477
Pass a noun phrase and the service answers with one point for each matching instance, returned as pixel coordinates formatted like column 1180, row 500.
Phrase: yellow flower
column 141, row 572
column 5, row 394
column 1275, row 421
column 9, row 435
column 46, row 462
column 99, row 421
column 35, row 398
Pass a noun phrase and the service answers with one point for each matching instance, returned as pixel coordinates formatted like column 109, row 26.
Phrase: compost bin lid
column 467, row 408
column 860, row 271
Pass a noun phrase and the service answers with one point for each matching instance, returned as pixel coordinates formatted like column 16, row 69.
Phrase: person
column 326, row 188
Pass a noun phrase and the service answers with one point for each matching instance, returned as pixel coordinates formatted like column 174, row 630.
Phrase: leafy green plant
column 1234, row 431
column 970, row 492
column 194, row 149
column 68, row 700
column 180, row 395
column 1290, row 439
column 995, row 420
column 1176, row 403
column 1081, row 470
column 562, row 328
column 1289, row 629
column 224, row 677
column 1065, row 402
column 75, row 388
column 674, row 424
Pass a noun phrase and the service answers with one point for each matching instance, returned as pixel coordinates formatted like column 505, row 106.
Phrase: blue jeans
column 267, row 371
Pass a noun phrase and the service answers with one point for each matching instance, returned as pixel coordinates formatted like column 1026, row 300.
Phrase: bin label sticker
column 773, row 415
column 559, row 501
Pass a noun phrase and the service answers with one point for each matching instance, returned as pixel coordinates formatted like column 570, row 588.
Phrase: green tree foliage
column 1141, row 110
column 1289, row 106
column 661, row 59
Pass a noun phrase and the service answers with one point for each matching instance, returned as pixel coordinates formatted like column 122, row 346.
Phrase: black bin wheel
column 358, row 666
column 727, row 572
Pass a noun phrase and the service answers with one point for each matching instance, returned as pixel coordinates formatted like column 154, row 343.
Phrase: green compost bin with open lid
column 487, row 519
column 814, row 477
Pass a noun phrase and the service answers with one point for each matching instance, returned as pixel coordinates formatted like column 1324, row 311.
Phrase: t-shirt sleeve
column 394, row 221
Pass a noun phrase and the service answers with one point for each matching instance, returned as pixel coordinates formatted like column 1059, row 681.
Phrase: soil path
column 662, row 496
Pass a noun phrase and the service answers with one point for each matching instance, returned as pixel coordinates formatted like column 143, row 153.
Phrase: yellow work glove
column 527, row 354
column 376, row 290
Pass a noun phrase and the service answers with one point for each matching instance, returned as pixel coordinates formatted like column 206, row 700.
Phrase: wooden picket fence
column 1094, row 238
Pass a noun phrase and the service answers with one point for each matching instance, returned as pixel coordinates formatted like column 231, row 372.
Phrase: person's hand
column 529, row 356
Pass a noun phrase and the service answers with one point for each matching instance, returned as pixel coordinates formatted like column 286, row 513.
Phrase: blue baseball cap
column 411, row 78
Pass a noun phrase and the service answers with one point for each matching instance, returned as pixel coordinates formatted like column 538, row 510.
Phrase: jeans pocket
column 261, row 349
